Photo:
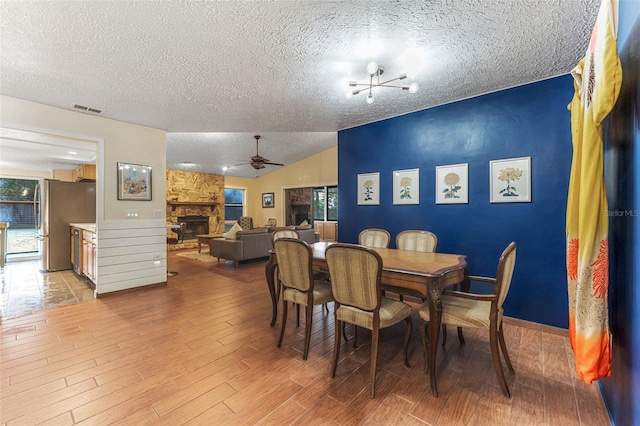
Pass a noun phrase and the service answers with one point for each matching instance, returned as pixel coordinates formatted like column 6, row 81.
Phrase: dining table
column 417, row 273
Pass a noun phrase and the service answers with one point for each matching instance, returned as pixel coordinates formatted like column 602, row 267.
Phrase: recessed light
column 73, row 153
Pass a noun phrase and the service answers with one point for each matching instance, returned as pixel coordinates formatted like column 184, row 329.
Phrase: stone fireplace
column 198, row 200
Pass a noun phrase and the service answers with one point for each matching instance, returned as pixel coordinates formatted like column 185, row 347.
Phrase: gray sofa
column 252, row 244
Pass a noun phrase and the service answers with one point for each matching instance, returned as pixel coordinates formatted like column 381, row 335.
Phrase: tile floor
column 24, row 288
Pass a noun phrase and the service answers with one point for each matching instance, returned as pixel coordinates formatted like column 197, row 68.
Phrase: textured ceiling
column 271, row 68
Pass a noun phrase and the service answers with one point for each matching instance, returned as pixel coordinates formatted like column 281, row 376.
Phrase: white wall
column 126, row 247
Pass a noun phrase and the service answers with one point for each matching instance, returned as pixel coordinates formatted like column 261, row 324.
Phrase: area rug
column 202, row 257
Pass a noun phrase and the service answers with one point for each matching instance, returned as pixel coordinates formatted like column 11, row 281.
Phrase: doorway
column 29, row 156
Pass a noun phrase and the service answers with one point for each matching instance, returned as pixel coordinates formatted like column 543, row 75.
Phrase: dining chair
column 295, row 261
column 375, row 238
column 284, row 233
column 355, row 273
column 318, row 276
column 464, row 309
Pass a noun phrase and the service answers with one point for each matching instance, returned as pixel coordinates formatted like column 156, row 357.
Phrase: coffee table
column 205, row 239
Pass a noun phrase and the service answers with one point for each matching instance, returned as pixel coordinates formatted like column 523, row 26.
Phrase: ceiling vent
column 87, row 109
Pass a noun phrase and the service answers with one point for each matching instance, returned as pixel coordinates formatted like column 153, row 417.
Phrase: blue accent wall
column 622, row 175
column 530, row 120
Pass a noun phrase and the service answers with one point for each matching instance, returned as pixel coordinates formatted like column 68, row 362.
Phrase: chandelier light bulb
column 372, row 68
column 370, row 99
column 413, row 87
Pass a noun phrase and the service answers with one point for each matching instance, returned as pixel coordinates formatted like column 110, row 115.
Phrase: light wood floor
column 200, row 351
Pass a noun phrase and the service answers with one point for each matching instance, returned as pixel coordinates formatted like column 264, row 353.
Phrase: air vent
column 87, row 109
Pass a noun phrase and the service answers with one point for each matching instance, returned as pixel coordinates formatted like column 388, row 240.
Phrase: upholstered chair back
column 355, row 275
column 412, row 240
column 375, row 238
column 294, row 263
column 245, row 222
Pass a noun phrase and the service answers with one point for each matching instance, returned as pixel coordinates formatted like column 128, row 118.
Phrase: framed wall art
column 406, row 186
column 267, row 200
column 510, row 180
column 452, row 184
column 134, row 182
column 369, row 189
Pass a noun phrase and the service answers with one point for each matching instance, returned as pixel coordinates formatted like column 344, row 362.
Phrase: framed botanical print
column 406, row 186
column 134, row 182
column 452, row 184
column 510, row 180
column 369, row 189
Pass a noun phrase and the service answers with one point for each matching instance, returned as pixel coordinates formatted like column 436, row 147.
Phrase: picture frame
column 452, row 184
column 369, row 189
column 268, row 200
column 510, row 180
column 406, row 186
column 134, row 182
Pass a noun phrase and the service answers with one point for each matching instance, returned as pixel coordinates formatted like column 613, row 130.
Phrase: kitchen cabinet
column 84, row 172
column 328, row 230
column 83, row 250
column 89, row 255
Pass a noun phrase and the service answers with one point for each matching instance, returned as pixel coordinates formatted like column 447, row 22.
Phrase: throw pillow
column 231, row 233
column 304, row 223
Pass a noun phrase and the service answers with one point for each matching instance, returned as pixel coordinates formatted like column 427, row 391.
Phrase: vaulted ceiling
column 213, row 74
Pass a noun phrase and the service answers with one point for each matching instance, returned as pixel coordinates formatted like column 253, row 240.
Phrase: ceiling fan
column 258, row 162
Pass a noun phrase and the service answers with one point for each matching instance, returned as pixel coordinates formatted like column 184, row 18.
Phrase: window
column 17, row 208
column 325, row 203
column 233, row 206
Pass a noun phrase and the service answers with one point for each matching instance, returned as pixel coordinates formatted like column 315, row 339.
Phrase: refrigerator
column 61, row 203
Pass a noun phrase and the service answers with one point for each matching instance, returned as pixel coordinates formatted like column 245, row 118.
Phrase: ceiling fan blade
column 272, row 164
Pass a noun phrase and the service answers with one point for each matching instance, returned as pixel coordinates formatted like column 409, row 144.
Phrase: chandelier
column 375, row 71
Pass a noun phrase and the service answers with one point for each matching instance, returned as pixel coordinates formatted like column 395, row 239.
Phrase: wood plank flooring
column 200, row 352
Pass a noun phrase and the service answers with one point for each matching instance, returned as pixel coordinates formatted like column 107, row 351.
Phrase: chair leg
column 284, row 321
column 307, row 331
column 374, row 359
column 344, row 331
column 503, row 346
column 425, row 346
column 355, row 336
column 326, row 308
column 460, row 336
column 297, row 315
column 497, row 364
column 407, row 335
column 444, row 334
column 336, row 347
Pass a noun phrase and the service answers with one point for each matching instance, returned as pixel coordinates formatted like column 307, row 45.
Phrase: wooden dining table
column 426, row 274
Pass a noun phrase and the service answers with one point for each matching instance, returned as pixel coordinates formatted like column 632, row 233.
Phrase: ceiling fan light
column 370, row 99
column 413, row 87
column 402, row 77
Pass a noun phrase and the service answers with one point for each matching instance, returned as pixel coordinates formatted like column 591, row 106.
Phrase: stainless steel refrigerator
column 62, row 203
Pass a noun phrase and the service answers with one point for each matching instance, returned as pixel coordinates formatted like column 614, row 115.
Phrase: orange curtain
column 597, row 80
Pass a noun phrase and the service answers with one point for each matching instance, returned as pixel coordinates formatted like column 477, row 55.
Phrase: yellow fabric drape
column 597, row 80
